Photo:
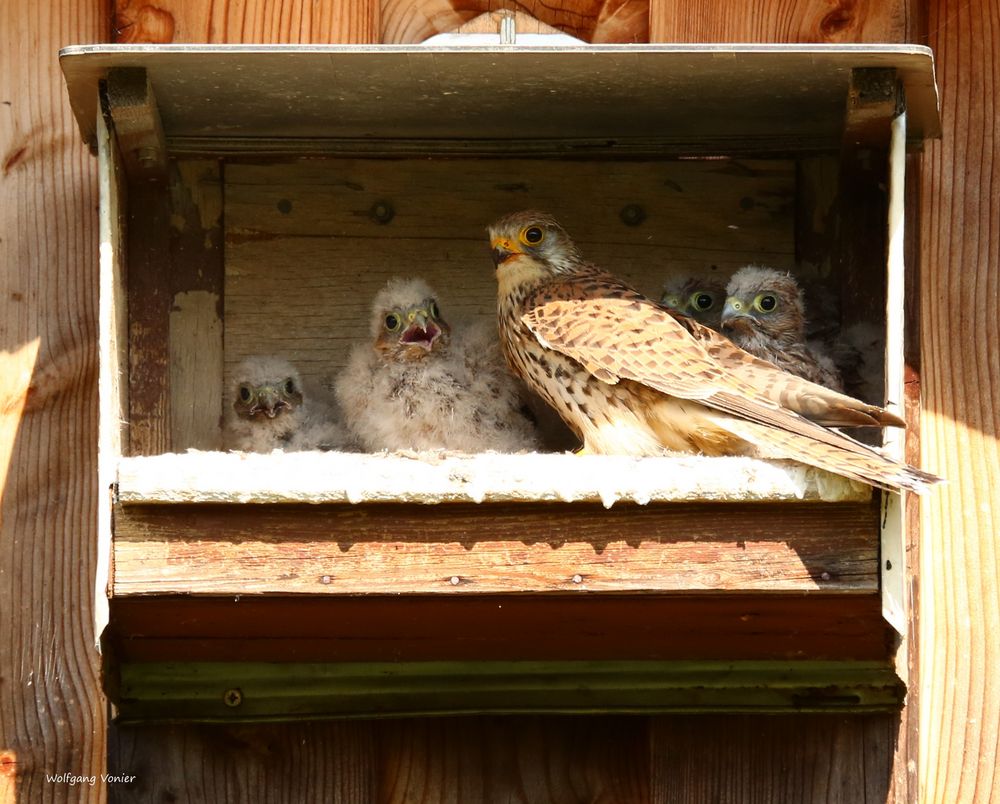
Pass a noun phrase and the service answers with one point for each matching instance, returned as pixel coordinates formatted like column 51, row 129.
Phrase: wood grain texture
column 491, row 627
column 534, row 759
column 196, row 327
column 286, row 763
column 257, row 21
column 736, row 759
column 149, row 304
column 51, row 710
column 833, row 21
column 305, row 256
column 598, row 21
column 960, row 290
column 468, row 549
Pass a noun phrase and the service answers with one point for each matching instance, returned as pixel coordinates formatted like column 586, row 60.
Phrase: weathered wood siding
column 51, row 710
column 960, row 294
column 51, row 713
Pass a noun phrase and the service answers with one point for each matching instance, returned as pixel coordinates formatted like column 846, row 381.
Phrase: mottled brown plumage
column 765, row 314
column 630, row 377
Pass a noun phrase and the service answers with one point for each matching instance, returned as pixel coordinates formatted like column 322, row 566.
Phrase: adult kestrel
column 765, row 314
column 630, row 377
column 271, row 410
column 420, row 385
column 702, row 299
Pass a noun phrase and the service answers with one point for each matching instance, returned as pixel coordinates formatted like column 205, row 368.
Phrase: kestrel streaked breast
column 630, row 377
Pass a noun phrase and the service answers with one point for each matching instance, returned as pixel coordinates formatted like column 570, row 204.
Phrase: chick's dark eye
column 289, row 387
column 244, row 393
column 703, row 301
column 768, row 303
column 533, row 234
column 435, row 312
column 392, row 322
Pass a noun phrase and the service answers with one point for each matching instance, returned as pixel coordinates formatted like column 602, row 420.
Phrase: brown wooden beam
column 135, row 119
column 460, row 549
column 496, row 627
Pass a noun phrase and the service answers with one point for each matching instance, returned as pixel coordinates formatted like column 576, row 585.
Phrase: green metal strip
column 290, row 691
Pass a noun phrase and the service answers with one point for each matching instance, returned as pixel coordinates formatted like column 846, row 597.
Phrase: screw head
column 233, row 697
column 632, row 214
column 382, row 212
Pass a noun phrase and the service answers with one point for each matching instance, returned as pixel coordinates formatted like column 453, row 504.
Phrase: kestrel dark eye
column 289, row 387
column 392, row 322
column 703, row 301
column 244, row 393
column 533, row 235
column 765, row 303
column 435, row 312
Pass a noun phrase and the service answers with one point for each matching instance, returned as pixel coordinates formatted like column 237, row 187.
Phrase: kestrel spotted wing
column 632, row 339
column 816, row 402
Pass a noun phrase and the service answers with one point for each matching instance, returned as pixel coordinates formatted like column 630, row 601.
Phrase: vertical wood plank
column 599, row 21
column 51, row 711
column 830, row 21
column 196, row 326
column 257, row 21
column 149, row 303
column 284, row 763
column 524, row 759
column 960, row 292
column 802, row 758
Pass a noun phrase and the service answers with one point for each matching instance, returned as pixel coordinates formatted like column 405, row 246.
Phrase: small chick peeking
column 765, row 314
column 270, row 410
column 269, row 399
column 702, row 299
column 630, row 377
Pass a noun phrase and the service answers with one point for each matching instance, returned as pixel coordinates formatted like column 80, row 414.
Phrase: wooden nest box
column 254, row 199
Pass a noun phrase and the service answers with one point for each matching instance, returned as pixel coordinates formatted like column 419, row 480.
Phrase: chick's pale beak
column 735, row 314
column 503, row 249
column 269, row 402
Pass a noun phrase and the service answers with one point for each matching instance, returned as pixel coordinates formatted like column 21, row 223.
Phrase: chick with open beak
column 420, row 385
column 412, row 331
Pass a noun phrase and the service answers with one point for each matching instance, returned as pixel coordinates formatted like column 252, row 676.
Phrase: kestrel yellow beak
column 503, row 249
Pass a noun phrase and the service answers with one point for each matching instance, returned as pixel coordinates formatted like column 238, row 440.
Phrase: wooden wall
column 960, row 295
column 51, row 712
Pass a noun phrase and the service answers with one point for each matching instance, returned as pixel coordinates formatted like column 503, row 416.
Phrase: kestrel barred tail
column 630, row 377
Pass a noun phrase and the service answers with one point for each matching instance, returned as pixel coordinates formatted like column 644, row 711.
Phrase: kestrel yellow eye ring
column 702, row 301
column 531, row 235
column 765, row 303
column 393, row 322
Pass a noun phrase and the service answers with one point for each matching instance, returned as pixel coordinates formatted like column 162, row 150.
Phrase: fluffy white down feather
column 461, row 398
column 310, row 426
